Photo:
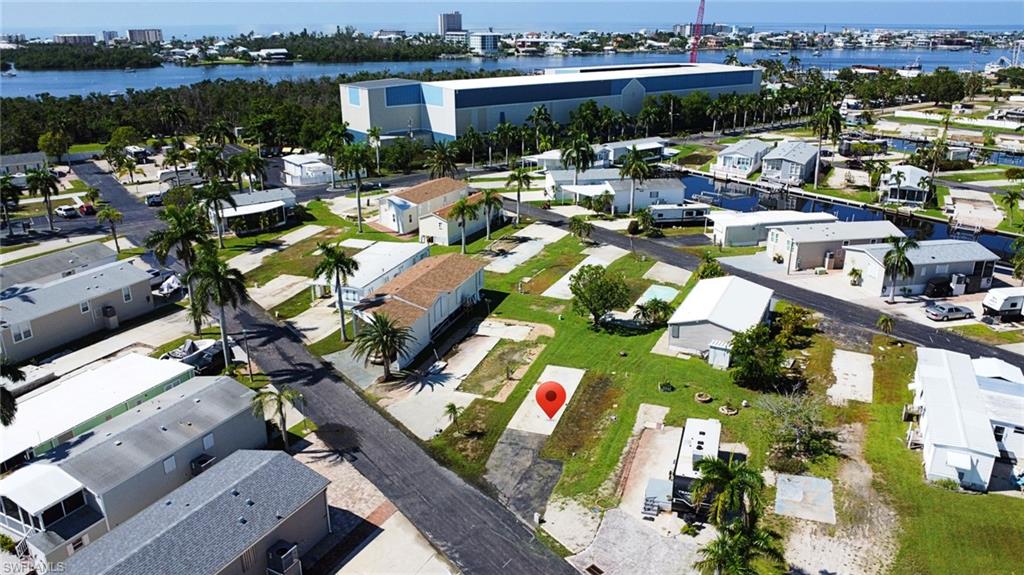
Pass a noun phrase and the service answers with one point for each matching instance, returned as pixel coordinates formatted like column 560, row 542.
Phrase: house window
column 208, row 441
column 941, row 269
column 77, row 544
column 170, row 464
column 126, row 294
column 654, row 194
column 84, row 307
column 675, row 331
column 21, row 331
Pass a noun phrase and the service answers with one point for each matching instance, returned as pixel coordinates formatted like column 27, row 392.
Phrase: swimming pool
column 663, row 293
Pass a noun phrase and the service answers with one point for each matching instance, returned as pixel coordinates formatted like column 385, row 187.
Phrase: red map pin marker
column 550, row 396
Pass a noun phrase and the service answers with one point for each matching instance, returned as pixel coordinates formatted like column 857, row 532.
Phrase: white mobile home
column 809, row 246
column 643, row 195
column 741, row 159
column 306, row 170
column 668, row 214
column 401, row 212
column 905, row 185
column 256, row 210
column 751, row 228
column 790, row 162
column 715, row 310
column 379, row 263
column 441, row 228
column 967, row 265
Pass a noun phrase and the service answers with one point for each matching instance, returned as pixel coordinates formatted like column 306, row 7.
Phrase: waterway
column 74, row 82
column 745, row 198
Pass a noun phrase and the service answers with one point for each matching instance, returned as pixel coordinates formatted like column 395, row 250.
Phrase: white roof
column 230, row 212
column 746, row 148
column 591, row 190
column 998, row 369
column 700, row 437
column 77, row 399
column 300, row 159
column 911, row 176
column 793, row 151
column 768, row 218
column 957, row 415
column 841, row 231
column 38, row 486
column 729, row 302
column 571, row 75
column 689, row 206
column 378, row 259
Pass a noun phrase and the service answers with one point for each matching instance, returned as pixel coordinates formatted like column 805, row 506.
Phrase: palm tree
column 8, row 193
column 452, row 411
column 213, row 197
column 336, row 264
column 579, row 155
column 471, row 140
column 333, row 143
column 385, row 338
column 645, row 219
column 91, row 195
column 236, row 169
column 276, row 400
column 654, row 311
column 113, row 217
column 184, row 227
column 580, row 227
column 716, row 109
column 736, row 487
column 886, row 324
column 373, row 136
column 827, row 123
column 540, row 118
column 210, row 163
column 253, row 166
column 45, row 183
column 520, row 178
column 356, row 160
column 220, row 284
column 794, row 62
column 219, row 131
column 175, row 157
column 8, row 403
column 491, row 203
column 636, row 168
column 173, row 116
column 732, row 59
column 464, row 210
column 737, row 548
column 129, row 167
column 504, row 133
column 897, row 261
column 441, row 161
column 1010, row 200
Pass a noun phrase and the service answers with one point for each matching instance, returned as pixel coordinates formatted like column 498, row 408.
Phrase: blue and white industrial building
column 442, row 111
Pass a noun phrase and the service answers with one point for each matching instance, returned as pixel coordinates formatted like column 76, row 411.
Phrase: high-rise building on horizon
column 75, row 39
column 449, row 22
column 146, row 36
column 109, row 36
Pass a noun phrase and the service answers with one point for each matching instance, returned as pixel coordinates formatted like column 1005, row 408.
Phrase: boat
column 816, row 53
column 783, row 52
column 129, row 70
column 9, row 74
column 915, row 65
column 1001, row 64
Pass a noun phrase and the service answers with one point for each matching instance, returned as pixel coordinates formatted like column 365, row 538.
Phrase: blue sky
column 263, row 16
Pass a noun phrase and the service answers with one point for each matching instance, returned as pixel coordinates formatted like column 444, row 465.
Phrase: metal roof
column 38, row 486
column 135, row 440
column 933, row 252
column 772, row 218
column 841, row 231
column 377, row 260
column 591, row 175
column 729, row 302
column 27, row 158
column 53, row 264
column 584, row 75
column 793, row 151
column 658, row 184
column 207, row 523
column 955, row 409
column 263, row 196
column 70, row 291
column 911, row 177
column 383, row 83
column 746, row 148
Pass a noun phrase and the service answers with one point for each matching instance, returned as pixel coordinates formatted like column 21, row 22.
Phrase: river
column 71, row 82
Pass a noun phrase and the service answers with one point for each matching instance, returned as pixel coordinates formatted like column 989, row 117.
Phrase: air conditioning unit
column 201, row 463
column 283, row 559
column 110, row 317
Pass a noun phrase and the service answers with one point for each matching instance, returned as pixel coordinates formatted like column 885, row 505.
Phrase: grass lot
column 332, row 343
column 976, row 176
column 938, row 125
column 82, row 148
column 859, row 194
column 475, row 246
column 506, row 357
column 683, row 231
column 540, row 271
column 722, row 252
column 38, row 209
column 298, row 259
column 940, row 198
column 292, row 306
column 985, row 334
column 940, row 531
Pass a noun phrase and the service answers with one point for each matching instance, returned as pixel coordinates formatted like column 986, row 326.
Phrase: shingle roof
column 66, row 292
column 793, row 151
column 198, row 528
column 746, row 148
column 53, row 264
column 410, row 295
column 27, row 158
column 427, row 191
column 933, row 252
column 120, row 448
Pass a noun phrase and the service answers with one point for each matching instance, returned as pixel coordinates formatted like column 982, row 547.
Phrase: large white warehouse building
column 443, row 110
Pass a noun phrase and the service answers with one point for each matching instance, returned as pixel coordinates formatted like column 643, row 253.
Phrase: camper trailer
column 1004, row 303
column 186, row 176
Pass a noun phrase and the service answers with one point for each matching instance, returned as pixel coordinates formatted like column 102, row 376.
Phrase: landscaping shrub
column 783, row 464
column 7, row 544
column 633, row 228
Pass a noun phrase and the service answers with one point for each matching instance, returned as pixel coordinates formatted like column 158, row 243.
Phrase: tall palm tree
column 731, row 59
column 897, row 261
column 45, row 183
column 441, row 161
column 716, row 109
column 520, row 178
column 886, row 324
column 8, row 403
column 210, row 163
column 578, row 154
column 505, row 134
column 462, row 211
column 129, row 167
column 471, row 140
column 356, row 160
column 213, row 197
column 184, row 227
column 635, row 167
column 736, row 488
column 373, row 136
column 219, row 284
column 173, row 116
column 580, row 227
column 8, row 193
column 540, row 119
column 219, row 131
column 332, row 144
column 1010, row 200
column 277, row 401
column 253, row 166
column 113, row 217
column 491, row 204
column 336, row 264
column 453, row 411
column 175, row 157
column 827, row 123
column 384, row 337
column 236, row 169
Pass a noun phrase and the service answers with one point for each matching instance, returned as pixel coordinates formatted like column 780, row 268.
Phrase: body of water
column 65, row 83
column 744, row 198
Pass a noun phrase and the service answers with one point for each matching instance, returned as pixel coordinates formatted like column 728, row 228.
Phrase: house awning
column 38, row 486
column 958, row 460
column 591, row 190
column 252, row 209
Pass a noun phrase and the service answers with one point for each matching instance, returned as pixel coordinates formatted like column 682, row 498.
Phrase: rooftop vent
column 242, row 520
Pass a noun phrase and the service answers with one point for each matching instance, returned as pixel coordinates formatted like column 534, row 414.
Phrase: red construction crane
column 698, row 26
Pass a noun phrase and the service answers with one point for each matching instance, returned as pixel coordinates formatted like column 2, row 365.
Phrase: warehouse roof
column 208, row 522
column 729, row 302
column 933, row 252
column 841, row 231
column 584, row 75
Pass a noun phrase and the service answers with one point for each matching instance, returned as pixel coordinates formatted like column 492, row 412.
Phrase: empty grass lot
column 940, row 531
column 985, row 334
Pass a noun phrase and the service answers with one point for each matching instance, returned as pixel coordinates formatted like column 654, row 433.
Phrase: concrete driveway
column 529, row 417
column 254, row 258
column 318, row 321
column 538, row 236
column 598, row 256
column 662, row 272
column 278, row 290
column 626, row 545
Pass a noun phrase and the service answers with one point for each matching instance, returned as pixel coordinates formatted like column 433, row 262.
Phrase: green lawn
column 476, row 246
column 860, row 194
column 82, row 148
column 332, row 343
column 976, row 176
column 207, row 333
column 938, row 125
column 722, row 252
column 292, row 306
column 985, row 334
column 940, row 531
column 38, row 209
column 489, row 376
column 684, row 231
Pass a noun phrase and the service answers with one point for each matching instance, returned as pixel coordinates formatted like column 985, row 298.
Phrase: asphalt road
column 853, row 320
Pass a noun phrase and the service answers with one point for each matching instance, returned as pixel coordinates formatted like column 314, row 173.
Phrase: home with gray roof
column 741, row 159
column 24, row 275
column 622, row 192
column 74, row 494
column 823, row 245
column 254, row 512
column 967, row 265
column 256, row 210
column 555, row 179
column 908, row 185
column 790, row 162
column 40, row 318
column 11, row 164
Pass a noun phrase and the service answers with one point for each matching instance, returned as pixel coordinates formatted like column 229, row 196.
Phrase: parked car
column 154, row 200
column 210, row 361
column 947, row 311
column 66, row 212
column 87, row 210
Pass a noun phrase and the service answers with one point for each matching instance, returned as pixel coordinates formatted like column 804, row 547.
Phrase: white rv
column 1004, row 303
column 186, row 176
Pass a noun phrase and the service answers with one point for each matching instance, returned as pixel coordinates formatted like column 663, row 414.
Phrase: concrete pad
column 655, row 452
column 514, row 332
column 625, row 545
column 521, row 253
column 571, row 523
column 397, row 549
column 529, row 417
column 423, row 412
column 854, row 377
column 125, row 243
column 544, row 232
column 663, row 272
column 1014, row 347
column 805, row 497
column 661, row 348
column 357, row 243
column 253, row 258
column 278, row 290
column 472, row 351
column 317, row 322
column 600, row 256
column 619, row 225
column 572, row 210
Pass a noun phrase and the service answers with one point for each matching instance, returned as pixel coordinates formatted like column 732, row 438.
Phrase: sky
column 201, row 17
